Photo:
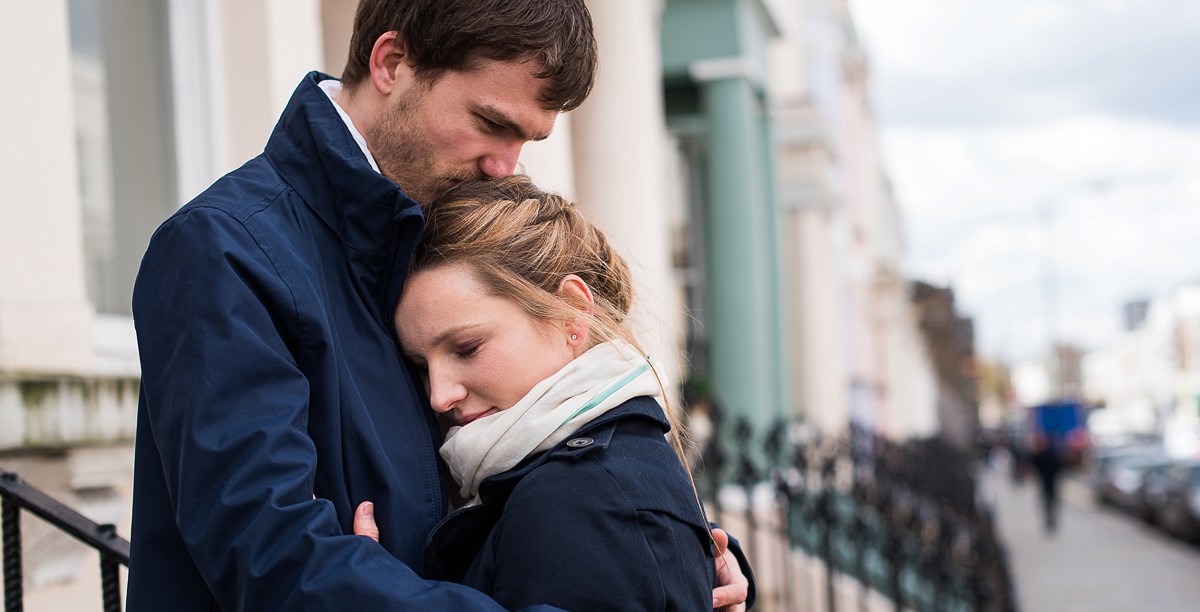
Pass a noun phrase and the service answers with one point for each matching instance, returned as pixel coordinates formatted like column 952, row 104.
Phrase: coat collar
column 378, row 224
column 452, row 542
column 596, row 435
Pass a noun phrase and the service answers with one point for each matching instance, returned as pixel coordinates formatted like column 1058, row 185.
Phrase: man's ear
column 578, row 294
column 389, row 64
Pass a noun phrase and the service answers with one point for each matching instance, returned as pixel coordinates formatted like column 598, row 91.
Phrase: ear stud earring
column 574, row 337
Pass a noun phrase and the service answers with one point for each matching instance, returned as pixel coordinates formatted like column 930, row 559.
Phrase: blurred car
column 1104, row 463
column 1180, row 511
column 1152, row 490
column 1122, row 485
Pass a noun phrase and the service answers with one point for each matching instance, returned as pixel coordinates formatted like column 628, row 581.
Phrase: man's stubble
column 406, row 155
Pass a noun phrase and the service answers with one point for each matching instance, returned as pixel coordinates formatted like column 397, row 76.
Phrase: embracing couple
column 375, row 290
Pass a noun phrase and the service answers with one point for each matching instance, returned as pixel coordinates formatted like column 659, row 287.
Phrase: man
column 274, row 398
column 1047, row 461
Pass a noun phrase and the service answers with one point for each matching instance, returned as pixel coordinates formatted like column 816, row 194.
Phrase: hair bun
column 511, row 227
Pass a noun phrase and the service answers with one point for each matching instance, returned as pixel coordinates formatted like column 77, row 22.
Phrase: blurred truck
column 1062, row 425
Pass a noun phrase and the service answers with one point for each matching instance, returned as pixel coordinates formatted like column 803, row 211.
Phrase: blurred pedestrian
column 1047, row 462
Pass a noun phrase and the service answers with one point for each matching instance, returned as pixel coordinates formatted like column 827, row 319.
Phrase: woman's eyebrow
column 450, row 331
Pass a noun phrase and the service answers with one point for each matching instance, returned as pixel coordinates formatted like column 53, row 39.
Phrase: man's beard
column 406, row 156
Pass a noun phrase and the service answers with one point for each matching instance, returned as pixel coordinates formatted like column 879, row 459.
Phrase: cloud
column 1018, row 61
column 1045, row 155
column 1085, row 212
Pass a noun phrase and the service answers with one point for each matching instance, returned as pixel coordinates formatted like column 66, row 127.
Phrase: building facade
column 1146, row 380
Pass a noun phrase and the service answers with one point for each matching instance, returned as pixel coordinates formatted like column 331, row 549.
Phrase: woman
column 572, row 495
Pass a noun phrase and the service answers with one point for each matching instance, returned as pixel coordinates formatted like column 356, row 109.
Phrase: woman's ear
column 389, row 66
column 578, row 294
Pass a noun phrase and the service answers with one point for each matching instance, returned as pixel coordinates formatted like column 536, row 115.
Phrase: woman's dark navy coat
column 607, row 520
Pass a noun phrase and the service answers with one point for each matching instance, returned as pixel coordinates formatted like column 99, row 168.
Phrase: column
column 46, row 320
column 283, row 41
column 620, row 145
column 737, row 246
column 779, row 330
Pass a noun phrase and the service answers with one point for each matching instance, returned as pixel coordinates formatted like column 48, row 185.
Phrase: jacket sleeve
column 227, row 408
column 571, row 538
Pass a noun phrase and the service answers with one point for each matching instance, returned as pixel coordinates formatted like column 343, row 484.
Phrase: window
column 121, row 75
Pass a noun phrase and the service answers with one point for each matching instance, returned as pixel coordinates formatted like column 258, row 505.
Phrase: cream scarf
column 595, row 382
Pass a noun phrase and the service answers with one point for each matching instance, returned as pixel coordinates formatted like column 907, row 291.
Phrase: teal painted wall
column 698, row 29
column 695, row 30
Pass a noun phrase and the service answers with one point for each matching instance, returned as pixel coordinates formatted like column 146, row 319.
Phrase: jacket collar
column 596, row 435
column 452, row 542
column 378, row 224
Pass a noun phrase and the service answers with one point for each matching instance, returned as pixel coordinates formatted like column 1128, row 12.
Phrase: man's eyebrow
column 498, row 116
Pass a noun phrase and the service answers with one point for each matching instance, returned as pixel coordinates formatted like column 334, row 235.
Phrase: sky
column 1045, row 155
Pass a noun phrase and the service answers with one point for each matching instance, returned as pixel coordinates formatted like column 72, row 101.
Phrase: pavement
column 1099, row 559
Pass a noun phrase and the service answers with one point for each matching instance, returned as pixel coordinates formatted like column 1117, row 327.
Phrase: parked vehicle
column 1180, row 512
column 1104, row 464
column 1124, row 476
column 1152, row 491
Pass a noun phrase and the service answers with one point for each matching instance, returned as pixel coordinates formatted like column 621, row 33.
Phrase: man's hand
column 364, row 521
column 731, row 595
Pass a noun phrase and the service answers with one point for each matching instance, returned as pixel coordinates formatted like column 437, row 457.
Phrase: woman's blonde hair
column 521, row 242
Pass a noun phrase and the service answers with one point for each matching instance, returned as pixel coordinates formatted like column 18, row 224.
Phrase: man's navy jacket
column 270, row 375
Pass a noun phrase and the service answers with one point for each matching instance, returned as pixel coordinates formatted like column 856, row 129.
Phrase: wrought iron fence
column 904, row 520
column 15, row 495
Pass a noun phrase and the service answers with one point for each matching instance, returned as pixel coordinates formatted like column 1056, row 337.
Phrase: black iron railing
column 903, row 520
column 15, row 495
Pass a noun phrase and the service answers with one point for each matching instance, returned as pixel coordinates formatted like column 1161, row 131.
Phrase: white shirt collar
column 333, row 87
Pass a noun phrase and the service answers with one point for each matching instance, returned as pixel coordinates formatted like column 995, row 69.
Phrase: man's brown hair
column 443, row 35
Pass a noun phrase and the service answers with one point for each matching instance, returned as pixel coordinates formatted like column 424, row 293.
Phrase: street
column 1100, row 560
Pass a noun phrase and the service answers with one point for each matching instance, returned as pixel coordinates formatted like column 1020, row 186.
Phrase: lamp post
column 1047, row 209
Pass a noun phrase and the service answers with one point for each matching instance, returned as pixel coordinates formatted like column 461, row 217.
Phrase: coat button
column 579, row 442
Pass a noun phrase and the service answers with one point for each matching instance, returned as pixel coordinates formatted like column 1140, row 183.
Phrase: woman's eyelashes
column 467, row 350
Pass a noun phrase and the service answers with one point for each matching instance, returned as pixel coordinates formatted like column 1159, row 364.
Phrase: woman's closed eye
column 467, row 350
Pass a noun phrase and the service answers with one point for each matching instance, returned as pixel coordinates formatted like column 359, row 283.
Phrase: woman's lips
column 476, row 417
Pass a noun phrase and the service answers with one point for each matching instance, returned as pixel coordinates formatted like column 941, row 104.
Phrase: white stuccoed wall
column 45, row 317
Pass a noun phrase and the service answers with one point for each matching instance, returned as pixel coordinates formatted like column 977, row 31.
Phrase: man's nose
column 502, row 161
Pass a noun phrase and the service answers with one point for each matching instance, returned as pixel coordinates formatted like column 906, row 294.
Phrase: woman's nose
column 444, row 392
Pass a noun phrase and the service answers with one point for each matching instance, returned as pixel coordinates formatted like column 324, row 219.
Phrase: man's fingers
column 729, row 598
column 731, row 595
column 721, row 539
column 734, row 588
column 364, row 521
